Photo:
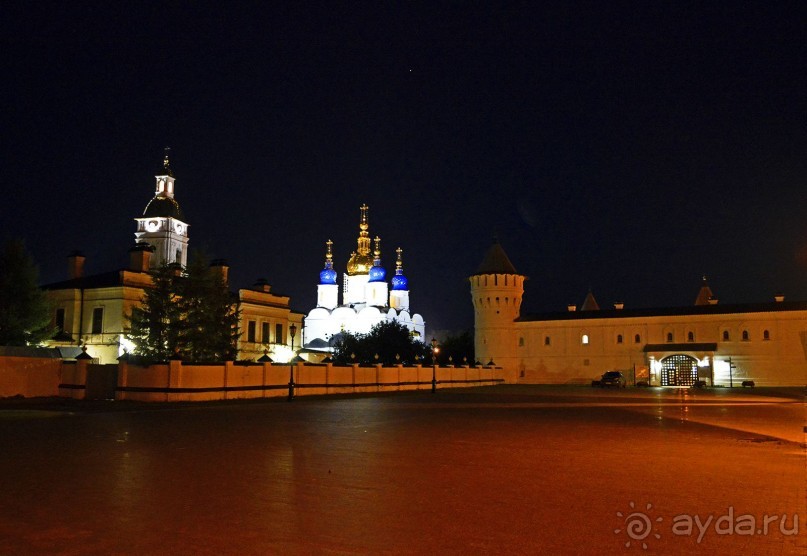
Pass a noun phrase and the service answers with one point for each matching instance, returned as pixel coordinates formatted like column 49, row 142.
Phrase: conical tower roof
column 590, row 304
column 496, row 261
column 705, row 294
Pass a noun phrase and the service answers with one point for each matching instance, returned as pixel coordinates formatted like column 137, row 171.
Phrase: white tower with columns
column 163, row 225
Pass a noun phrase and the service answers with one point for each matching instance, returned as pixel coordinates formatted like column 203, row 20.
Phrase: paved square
column 497, row 470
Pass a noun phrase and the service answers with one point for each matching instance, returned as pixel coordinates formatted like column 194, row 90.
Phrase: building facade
column 93, row 310
column 722, row 345
column 367, row 298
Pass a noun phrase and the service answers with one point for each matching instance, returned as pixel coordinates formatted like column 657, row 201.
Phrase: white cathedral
column 366, row 297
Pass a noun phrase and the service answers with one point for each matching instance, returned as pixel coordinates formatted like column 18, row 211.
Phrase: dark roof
column 668, row 311
column 104, row 280
column 496, row 261
column 28, row 351
column 704, row 294
column 590, row 304
column 165, row 207
column 317, row 343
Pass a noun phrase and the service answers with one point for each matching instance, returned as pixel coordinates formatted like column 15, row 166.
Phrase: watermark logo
column 638, row 525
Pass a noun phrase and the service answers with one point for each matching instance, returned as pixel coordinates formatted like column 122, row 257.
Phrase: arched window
column 584, row 339
column 669, row 337
column 745, row 335
column 547, row 341
column 521, row 341
column 726, row 336
column 619, row 338
column 637, row 339
column 690, row 336
column 766, row 334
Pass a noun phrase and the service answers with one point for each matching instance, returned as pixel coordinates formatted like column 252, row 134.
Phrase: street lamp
column 435, row 349
column 292, row 331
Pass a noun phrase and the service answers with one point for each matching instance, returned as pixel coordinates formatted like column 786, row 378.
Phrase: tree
column 459, row 348
column 386, row 339
column 190, row 315
column 210, row 314
column 154, row 325
column 25, row 315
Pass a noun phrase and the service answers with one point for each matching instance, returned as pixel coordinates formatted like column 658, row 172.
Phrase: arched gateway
column 679, row 370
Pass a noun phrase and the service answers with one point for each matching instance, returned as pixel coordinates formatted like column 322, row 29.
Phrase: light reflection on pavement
column 502, row 470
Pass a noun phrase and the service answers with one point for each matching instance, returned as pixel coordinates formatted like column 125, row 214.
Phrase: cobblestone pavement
column 497, row 470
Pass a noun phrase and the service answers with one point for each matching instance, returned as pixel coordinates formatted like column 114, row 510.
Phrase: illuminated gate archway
column 679, row 370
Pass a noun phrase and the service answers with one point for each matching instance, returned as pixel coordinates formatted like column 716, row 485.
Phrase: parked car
column 612, row 378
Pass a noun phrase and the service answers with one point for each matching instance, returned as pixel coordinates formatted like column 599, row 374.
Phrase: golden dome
column 361, row 260
column 359, row 264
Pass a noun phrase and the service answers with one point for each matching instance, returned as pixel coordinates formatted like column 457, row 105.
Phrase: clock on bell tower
column 163, row 224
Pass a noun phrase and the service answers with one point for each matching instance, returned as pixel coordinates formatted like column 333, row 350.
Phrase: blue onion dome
column 328, row 275
column 399, row 281
column 377, row 272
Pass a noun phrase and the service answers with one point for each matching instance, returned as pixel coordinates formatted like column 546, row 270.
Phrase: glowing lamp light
column 282, row 354
column 125, row 346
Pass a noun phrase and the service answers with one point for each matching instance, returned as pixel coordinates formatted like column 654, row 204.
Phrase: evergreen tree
column 25, row 314
column 154, row 325
column 192, row 316
column 209, row 326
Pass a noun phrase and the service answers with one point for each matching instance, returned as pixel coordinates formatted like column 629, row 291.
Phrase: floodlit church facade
column 720, row 345
column 366, row 296
column 91, row 310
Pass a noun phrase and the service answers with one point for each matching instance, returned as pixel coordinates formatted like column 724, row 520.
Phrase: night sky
column 625, row 147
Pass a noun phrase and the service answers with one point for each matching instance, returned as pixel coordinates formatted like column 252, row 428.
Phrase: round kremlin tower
column 496, row 292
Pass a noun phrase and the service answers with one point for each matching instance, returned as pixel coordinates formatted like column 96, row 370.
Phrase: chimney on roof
column 75, row 265
column 571, row 307
column 712, row 300
column 220, row 268
column 175, row 269
column 619, row 305
column 140, row 257
column 261, row 285
column 779, row 297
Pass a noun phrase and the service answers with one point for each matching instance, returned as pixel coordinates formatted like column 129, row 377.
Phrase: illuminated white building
column 92, row 310
column 163, row 225
column 721, row 345
column 366, row 296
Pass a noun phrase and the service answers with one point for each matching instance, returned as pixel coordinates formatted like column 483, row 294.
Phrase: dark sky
column 626, row 147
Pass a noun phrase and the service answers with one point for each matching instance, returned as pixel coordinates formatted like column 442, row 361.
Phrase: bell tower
column 496, row 292
column 163, row 224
